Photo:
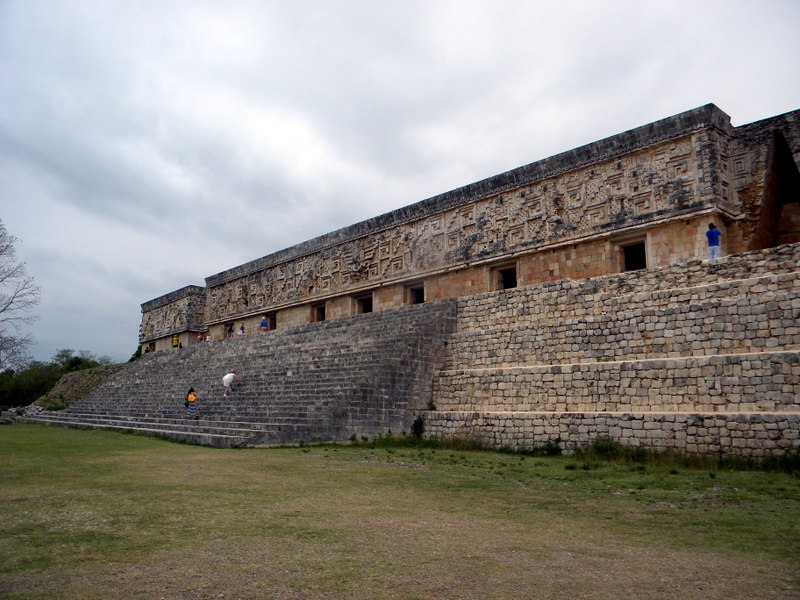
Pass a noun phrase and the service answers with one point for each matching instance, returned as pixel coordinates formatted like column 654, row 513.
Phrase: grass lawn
column 93, row 514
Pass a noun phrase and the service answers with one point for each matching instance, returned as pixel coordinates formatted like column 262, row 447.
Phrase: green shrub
column 418, row 428
column 604, row 448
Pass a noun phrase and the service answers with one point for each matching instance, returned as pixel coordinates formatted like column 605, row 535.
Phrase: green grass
column 86, row 514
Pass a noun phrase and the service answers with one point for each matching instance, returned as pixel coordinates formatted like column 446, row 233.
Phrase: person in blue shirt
column 713, row 234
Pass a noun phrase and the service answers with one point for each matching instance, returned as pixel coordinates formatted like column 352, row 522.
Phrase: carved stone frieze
column 673, row 171
column 182, row 310
column 587, row 201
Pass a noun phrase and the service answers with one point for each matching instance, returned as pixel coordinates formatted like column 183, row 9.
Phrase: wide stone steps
column 249, row 422
column 320, row 382
column 221, row 437
column 219, row 433
column 296, row 414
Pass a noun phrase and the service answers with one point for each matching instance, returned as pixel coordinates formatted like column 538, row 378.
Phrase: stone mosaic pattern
column 657, row 176
column 180, row 311
column 661, row 181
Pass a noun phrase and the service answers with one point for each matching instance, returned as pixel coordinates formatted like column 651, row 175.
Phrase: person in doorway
column 241, row 329
column 191, row 404
column 230, row 330
column 264, row 323
column 712, row 235
column 227, row 382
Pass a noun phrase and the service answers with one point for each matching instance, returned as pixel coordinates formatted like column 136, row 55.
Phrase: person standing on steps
column 713, row 234
column 191, row 404
column 227, row 382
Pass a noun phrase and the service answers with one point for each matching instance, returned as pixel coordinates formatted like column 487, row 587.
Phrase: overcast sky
column 145, row 145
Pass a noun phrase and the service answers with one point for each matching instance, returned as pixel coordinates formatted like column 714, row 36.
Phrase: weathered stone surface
column 321, row 382
column 571, row 215
column 553, row 327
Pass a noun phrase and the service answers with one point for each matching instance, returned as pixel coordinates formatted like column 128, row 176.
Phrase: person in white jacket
column 227, row 382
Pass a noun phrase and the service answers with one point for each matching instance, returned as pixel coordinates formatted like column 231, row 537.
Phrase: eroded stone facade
column 174, row 319
column 579, row 214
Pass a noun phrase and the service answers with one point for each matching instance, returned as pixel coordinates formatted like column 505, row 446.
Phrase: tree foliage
column 18, row 295
column 23, row 387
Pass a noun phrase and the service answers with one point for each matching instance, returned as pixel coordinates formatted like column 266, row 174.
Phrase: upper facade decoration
column 689, row 164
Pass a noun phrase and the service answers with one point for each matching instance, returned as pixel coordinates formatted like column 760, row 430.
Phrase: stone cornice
column 184, row 292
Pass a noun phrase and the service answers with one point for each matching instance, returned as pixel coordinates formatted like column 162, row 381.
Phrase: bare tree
column 18, row 295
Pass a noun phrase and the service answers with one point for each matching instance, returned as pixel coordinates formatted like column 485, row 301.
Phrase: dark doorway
column 507, row 278
column 634, row 257
column 319, row 313
column 364, row 304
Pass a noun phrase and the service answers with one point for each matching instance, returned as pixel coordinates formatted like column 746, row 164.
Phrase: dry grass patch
column 87, row 514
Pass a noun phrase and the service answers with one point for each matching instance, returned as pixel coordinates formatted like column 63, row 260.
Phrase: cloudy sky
column 147, row 145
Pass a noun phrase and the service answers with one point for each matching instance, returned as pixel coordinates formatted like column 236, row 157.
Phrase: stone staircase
column 699, row 357
column 322, row 382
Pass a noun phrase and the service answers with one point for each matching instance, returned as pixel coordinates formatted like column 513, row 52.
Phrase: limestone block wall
column 748, row 434
column 557, row 324
column 697, row 357
column 762, row 381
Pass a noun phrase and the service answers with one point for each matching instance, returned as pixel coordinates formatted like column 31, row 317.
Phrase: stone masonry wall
column 699, row 357
column 560, row 325
column 747, row 434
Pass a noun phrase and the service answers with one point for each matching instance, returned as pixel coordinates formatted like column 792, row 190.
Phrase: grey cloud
column 169, row 141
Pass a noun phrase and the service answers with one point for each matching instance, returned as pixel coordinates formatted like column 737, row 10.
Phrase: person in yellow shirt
column 191, row 404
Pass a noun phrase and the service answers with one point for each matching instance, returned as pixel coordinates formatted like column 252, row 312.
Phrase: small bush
column 604, row 448
column 549, row 448
column 418, row 428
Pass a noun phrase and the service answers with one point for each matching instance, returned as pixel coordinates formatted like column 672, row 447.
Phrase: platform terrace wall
column 748, row 435
column 544, row 327
column 632, row 356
